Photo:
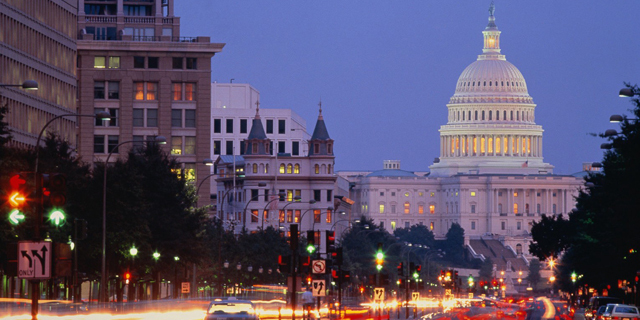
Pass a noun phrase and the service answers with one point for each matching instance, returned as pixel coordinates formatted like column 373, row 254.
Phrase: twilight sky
column 385, row 70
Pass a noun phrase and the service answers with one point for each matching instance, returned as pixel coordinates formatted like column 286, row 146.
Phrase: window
column 295, row 148
column 177, row 63
column 282, row 168
column 230, row 147
column 281, row 127
column 176, row 118
column 243, row 125
column 432, row 208
column 518, row 246
column 473, row 225
column 393, row 194
column 190, row 118
column 192, row 63
column 554, row 208
column 290, row 216
column 152, row 117
column 216, row 147
column 153, row 63
column 145, row 90
column 176, row 145
column 138, row 117
column 289, row 168
column 114, row 90
column 98, row 144
column 328, row 219
column 217, row 125
column 381, row 193
column 98, row 90
column 190, row 91
column 138, row 62
column 99, row 62
column 538, row 208
column 515, row 208
column 499, row 207
column 407, row 207
column 177, row 91
column 473, row 208
column 254, row 215
column 297, row 217
column 393, row 225
column 317, row 216
column 229, row 125
column 329, row 195
column 406, row 194
column 473, row 193
column 114, row 62
column 526, row 208
column 317, row 169
column 393, row 208
column 317, row 195
column 431, row 226
column 519, row 225
column 113, row 144
column 421, row 209
column 269, row 126
column 381, row 208
column 189, row 145
column 296, row 169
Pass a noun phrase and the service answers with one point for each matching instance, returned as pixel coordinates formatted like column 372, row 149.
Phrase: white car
column 616, row 311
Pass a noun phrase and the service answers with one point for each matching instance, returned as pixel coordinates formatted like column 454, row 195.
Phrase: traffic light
column 379, row 257
column 311, row 241
column 57, row 217
column 337, row 256
column 416, row 271
column 54, row 190
column 284, row 263
column 304, row 265
column 401, row 269
column 127, row 277
column 17, row 197
column 309, row 280
column 574, row 277
column 330, row 237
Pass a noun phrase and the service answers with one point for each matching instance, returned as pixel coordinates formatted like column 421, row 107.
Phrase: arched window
column 483, row 112
column 262, row 168
column 255, row 168
column 266, row 168
column 407, row 207
column 296, row 168
column 476, row 115
column 289, row 168
column 282, row 168
column 323, row 169
column 518, row 248
column 329, row 148
column 329, row 169
column 498, row 115
column 317, row 169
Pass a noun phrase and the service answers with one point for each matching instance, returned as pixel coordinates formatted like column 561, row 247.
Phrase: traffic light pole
column 35, row 284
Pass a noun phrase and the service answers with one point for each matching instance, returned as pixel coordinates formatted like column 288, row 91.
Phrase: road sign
column 318, row 288
column 34, row 260
column 378, row 295
column 319, row 266
column 186, row 287
column 415, row 296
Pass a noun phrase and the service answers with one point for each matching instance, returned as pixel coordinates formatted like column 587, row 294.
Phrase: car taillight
column 615, row 318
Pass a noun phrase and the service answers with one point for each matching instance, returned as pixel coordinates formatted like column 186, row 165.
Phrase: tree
column 534, row 273
column 454, row 244
column 551, row 234
column 416, row 234
column 486, row 270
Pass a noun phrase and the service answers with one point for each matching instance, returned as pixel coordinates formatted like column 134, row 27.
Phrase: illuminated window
column 190, row 91
column 282, row 168
column 406, row 194
column 189, row 145
column 328, row 220
column 317, row 215
column 177, row 91
column 190, row 172
column 289, row 168
column 145, row 90
column 420, row 194
column 99, row 62
column 254, row 215
column 381, row 208
column 266, row 168
column 289, row 216
column 497, row 145
column 407, row 207
column 473, row 193
column 254, row 168
column 475, row 143
column 490, row 141
column 296, row 168
column 289, row 195
column 297, row 216
column 421, row 209
column 393, row 225
column 482, row 141
column 432, row 208
column 515, row 208
column 515, row 193
column 152, row 90
column 114, row 62
column 317, row 169
column 281, row 217
column 176, row 146
column 432, row 194
column 431, row 226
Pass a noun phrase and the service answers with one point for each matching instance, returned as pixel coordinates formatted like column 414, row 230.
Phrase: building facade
column 134, row 64
column 262, row 188
column 38, row 42
column 490, row 177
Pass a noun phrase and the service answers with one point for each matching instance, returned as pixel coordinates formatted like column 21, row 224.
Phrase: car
column 231, row 310
column 616, row 311
column 594, row 304
column 598, row 315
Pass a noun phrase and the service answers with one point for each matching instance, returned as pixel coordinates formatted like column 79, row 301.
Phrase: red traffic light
column 127, row 277
column 17, row 198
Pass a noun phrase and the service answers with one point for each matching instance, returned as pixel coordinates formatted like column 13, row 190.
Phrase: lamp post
column 235, row 287
column 103, row 279
column 226, row 267
column 244, row 211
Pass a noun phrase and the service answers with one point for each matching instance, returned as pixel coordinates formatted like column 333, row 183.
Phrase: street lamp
column 27, row 85
column 244, row 212
column 296, row 200
column 103, row 279
column 628, row 92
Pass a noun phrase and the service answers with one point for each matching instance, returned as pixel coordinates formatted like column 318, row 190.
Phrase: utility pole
column 294, row 261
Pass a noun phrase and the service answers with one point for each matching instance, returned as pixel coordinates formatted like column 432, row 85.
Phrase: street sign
column 318, row 288
column 378, row 295
column 186, row 287
column 415, row 296
column 319, row 266
column 34, row 260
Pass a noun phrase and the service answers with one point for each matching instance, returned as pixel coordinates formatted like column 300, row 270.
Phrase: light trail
column 169, row 315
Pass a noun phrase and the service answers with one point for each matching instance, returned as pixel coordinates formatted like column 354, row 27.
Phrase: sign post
column 318, row 288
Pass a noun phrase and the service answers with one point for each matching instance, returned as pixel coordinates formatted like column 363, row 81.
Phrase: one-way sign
column 34, row 260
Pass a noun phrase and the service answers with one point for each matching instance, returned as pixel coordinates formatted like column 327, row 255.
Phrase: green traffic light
column 15, row 216
column 379, row 256
column 311, row 248
column 415, row 275
column 379, row 267
column 57, row 216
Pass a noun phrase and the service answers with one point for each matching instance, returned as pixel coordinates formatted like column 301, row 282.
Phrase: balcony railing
column 101, row 19
column 127, row 19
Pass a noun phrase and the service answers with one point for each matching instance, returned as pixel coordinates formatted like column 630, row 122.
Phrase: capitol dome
column 491, row 118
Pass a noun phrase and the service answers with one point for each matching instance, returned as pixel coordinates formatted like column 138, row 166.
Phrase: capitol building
column 490, row 177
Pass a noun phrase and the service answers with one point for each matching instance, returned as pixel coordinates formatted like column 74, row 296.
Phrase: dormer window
column 254, row 148
column 329, row 148
column 316, row 148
